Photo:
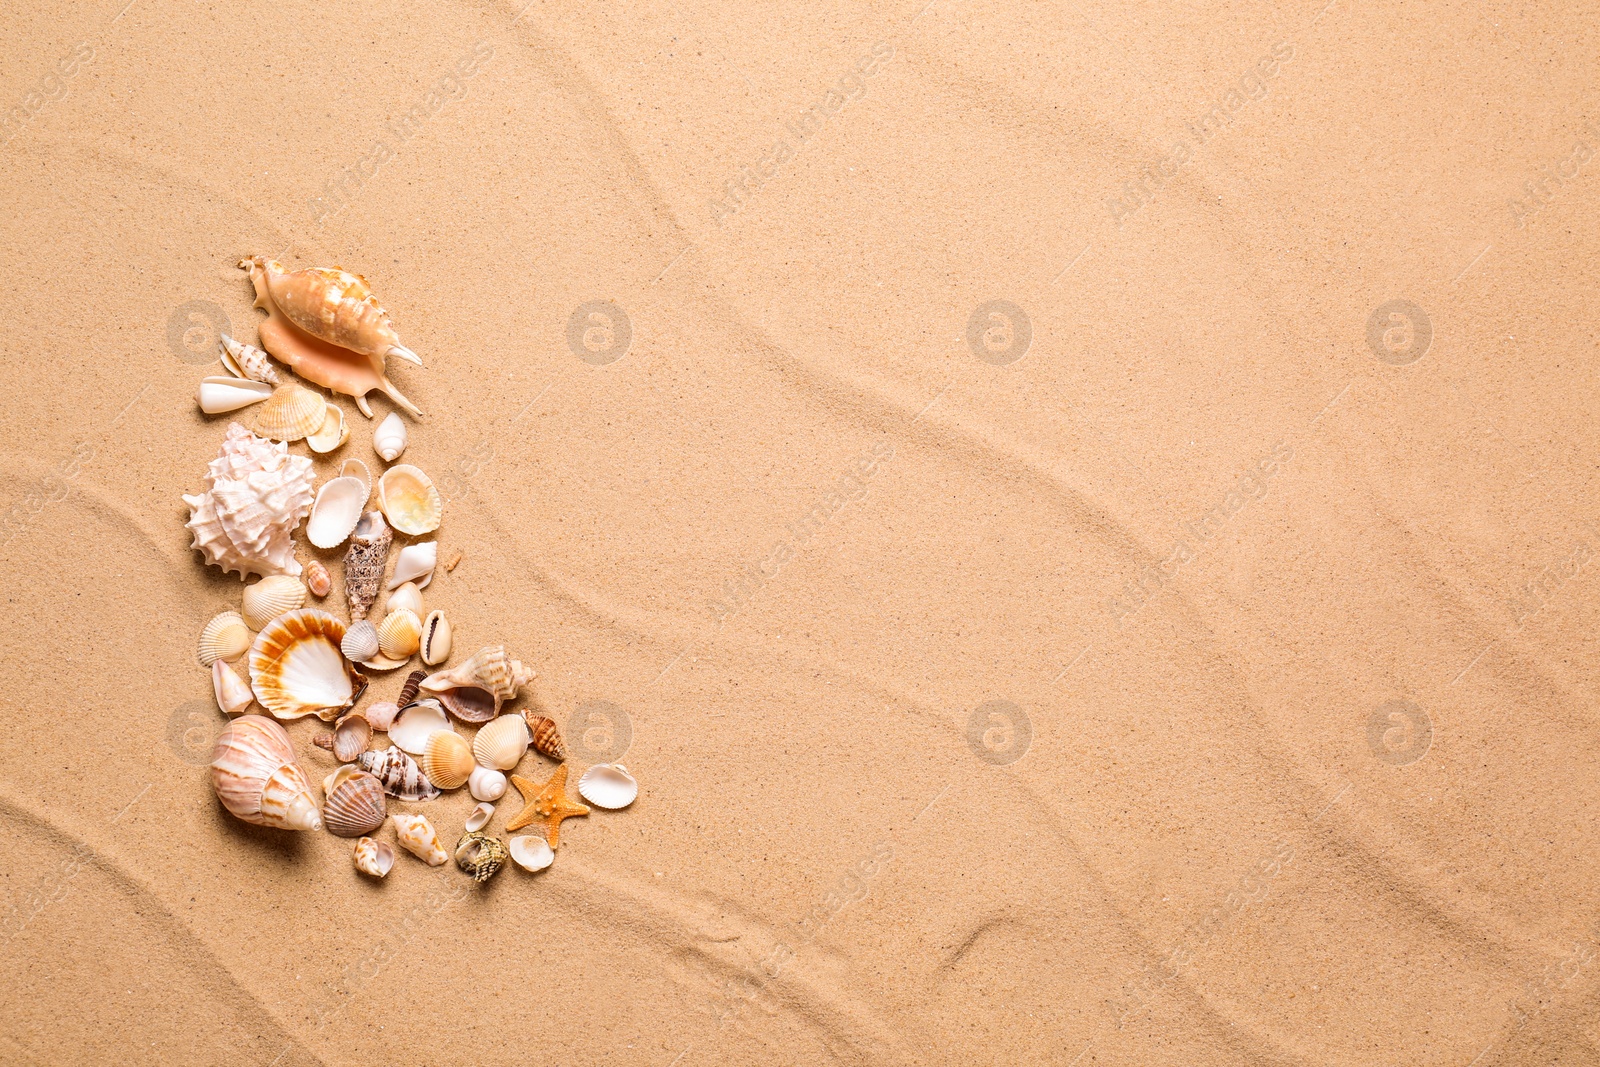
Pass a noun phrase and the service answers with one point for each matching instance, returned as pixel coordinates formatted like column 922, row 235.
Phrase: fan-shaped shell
column 360, row 641
column 531, row 853
column 296, row 668
column 225, row 637
column 332, row 433
column 501, row 742
column 409, row 500
column 290, row 413
column 349, row 738
column 416, row 723
column 400, row 634
column 355, row 806
column 389, row 439
column 255, row 776
column 447, row 759
column 608, row 785
column 271, row 597
column 418, row 837
column 373, row 857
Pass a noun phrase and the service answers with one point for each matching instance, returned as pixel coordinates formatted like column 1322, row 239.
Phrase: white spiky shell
column 296, row 667
column 255, row 496
column 255, row 776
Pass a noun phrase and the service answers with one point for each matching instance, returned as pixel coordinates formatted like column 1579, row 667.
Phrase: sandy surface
column 1180, row 661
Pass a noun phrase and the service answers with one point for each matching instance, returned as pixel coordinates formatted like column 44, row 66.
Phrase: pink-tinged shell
column 318, row 580
column 474, row 690
column 380, row 714
column 296, row 667
column 255, row 776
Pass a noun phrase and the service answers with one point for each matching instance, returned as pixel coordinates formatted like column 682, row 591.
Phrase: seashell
column 354, row 468
column 454, row 560
column 247, row 361
column 290, row 413
column 255, row 776
column 415, row 723
column 389, row 439
column 409, row 500
column 608, row 785
column 417, row 836
column 413, row 683
column 373, row 857
column 296, row 668
column 255, row 495
column 318, row 580
column 233, row 696
column 435, row 639
column 380, row 715
column 220, row 394
column 400, row 634
column 364, row 562
column 225, row 637
column 349, row 737
column 546, row 738
column 480, row 817
column 447, row 759
column 355, row 805
column 531, row 853
column 331, row 782
column 474, row 690
column 360, row 641
column 486, row 783
column 415, row 561
column 501, row 742
column 271, row 597
column 399, row 773
column 336, row 511
column 332, row 433
column 480, row 855
column 407, row 596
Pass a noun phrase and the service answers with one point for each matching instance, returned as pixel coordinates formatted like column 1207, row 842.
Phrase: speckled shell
column 255, row 776
column 418, row 837
column 480, row 855
column 399, row 773
column 373, row 857
column 318, row 580
column 355, row 806
column 364, row 562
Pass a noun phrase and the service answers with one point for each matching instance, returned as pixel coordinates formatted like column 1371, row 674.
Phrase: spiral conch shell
column 474, row 690
column 255, row 496
column 255, row 776
column 247, row 361
column 399, row 773
column 480, row 855
column 296, row 668
column 364, row 562
column 326, row 324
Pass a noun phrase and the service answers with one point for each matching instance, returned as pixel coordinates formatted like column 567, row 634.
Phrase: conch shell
column 474, row 690
column 296, row 667
column 326, row 324
column 480, row 855
column 399, row 773
column 255, row 776
column 255, row 495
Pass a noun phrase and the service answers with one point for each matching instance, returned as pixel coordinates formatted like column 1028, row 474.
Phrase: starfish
column 548, row 803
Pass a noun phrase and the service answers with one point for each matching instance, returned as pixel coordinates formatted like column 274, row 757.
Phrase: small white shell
column 224, row 637
column 233, row 695
column 501, row 742
column 354, row 468
column 332, row 433
column 480, row 817
column 608, row 785
column 217, row 395
column 407, row 597
column 339, row 504
column 435, row 639
column 373, row 857
column 400, row 634
column 360, row 641
column 415, row 562
column 411, row 727
column 271, row 597
column 417, row 836
column 409, row 500
column 531, row 853
column 389, row 439
column 486, row 783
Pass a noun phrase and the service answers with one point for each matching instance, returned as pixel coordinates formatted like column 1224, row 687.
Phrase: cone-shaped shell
column 247, row 361
column 501, row 742
column 418, row 837
column 255, row 776
column 474, row 690
column 233, row 696
column 480, row 855
column 373, row 857
column 546, row 738
column 409, row 500
column 296, row 668
column 399, row 773
column 355, row 806
column 225, row 637
column 447, row 759
column 290, row 413
column 271, row 597
column 220, row 394
column 364, row 562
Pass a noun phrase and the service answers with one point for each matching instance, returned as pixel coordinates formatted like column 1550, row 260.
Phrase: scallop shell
column 413, row 684
column 364, row 562
column 417, row 836
column 336, row 511
column 399, row 773
column 447, row 759
column 486, row 783
column 290, row 413
column 416, row 723
column 407, row 596
column 271, row 597
column 414, row 562
column 474, row 690
column 400, row 634
column 255, row 496
column 435, row 639
column 349, row 738
column 220, row 394
column 360, row 641
column 255, row 776
column 389, row 439
column 233, row 696
column 296, row 668
column 479, row 818
column 531, row 853
column 247, row 361
column 480, row 855
column 380, row 714
column 355, row 806
column 546, row 738
column 225, row 637
column 501, row 742
column 332, row 433
column 409, row 500
column 608, row 785
column 318, row 580
column 373, row 857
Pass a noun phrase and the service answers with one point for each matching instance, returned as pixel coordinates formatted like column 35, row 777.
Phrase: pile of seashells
column 303, row 661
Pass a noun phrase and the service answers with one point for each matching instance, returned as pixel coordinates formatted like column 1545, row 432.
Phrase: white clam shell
column 417, row 836
column 332, row 433
column 415, row 562
column 354, row 468
column 608, row 785
column 217, row 395
column 501, row 742
column 409, row 500
column 480, row 817
column 389, row 439
column 360, row 641
column 531, row 853
column 408, row 596
column 486, row 783
column 411, row 727
column 338, row 508
column 271, row 597
column 233, row 695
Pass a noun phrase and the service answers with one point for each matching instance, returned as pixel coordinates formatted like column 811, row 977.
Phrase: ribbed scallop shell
column 296, row 668
column 349, row 737
column 271, row 597
column 447, row 759
column 290, row 413
column 418, row 837
column 409, row 500
column 501, row 743
column 400, row 634
column 360, row 641
column 355, row 806
column 373, row 857
column 225, row 637
column 255, row 776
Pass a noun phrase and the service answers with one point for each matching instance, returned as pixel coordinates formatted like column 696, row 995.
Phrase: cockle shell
column 332, row 433
column 349, row 738
column 373, row 857
column 435, row 639
column 296, row 668
column 447, row 759
column 480, row 855
column 355, row 805
column 225, row 637
column 399, row 773
column 326, row 325
column 247, row 361
column 407, row 596
column 318, row 580
column 380, row 714
column 474, row 690
column 364, row 562
column 233, row 696
column 220, row 394
column 408, row 691
column 608, row 785
column 360, row 641
column 336, row 511
column 414, row 562
column 417, row 836
column 271, row 597
column 486, row 783
column 416, row 723
column 501, row 742
column 409, row 500
column 546, row 738
column 255, row 776
column 255, row 495
column 290, row 413
column 389, row 439
column 400, row 634
column 531, row 853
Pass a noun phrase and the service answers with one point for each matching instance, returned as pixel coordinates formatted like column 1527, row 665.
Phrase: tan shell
column 355, row 806
column 255, row 776
column 318, row 580
column 296, row 667
column 225, row 637
column 418, row 837
column 400, row 634
column 474, row 690
column 373, row 857
column 546, row 738
column 447, row 759
column 247, row 361
column 408, row 596
column 501, row 742
column 435, row 646
column 271, row 597
column 348, row 739
column 364, row 562
column 290, row 413
column 380, row 714
column 409, row 500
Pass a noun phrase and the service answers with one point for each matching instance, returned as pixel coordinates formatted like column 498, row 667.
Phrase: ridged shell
column 355, row 806
column 389, row 439
column 414, row 562
column 474, row 690
column 408, row 596
column 290, row 413
column 233, row 695
column 501, row 743
column 271, row 597
column 531, row 853
column 399, row 773
column 418, row 837
column 296, row 668
column 318, row 580
column 360, row 641
column 373, row 857
column 607, row 785
column 220, row 394
column 225, row 637
column 479, row 818
column 435, row 647
column 349, row 737
column 364, row 562
column 486, row 783
column 255, row 496
column 408, row 691
column 247, row 361
column 546, row 737
column 332, row 433
column 255, row 776
column 447, row 759
column 480, row 855
column 409, row 500
column 400, row 634
column 417, row 722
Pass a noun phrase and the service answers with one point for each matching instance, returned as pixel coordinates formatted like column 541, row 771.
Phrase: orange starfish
column 547, row 802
